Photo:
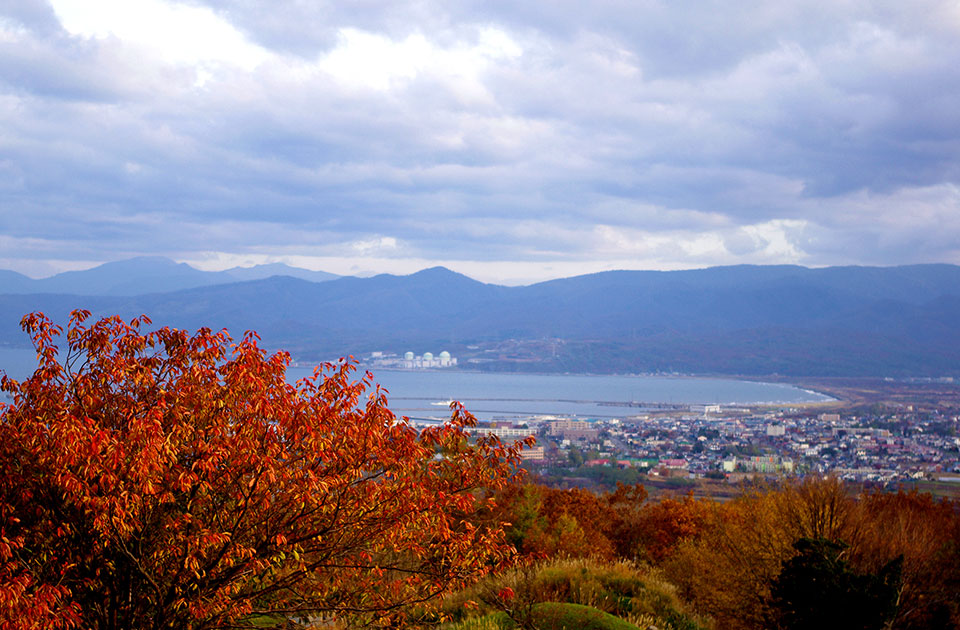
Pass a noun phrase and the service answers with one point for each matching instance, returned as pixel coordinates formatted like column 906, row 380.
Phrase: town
column 881, row 445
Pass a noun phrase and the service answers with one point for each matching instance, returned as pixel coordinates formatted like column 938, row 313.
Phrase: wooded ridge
column 758, row 320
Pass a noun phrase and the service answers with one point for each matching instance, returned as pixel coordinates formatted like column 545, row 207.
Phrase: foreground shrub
column 550, row 616
column 636, row 594
column 561, row 616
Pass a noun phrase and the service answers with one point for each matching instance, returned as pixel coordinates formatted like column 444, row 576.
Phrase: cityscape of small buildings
column 884, row 447
column 872, row 443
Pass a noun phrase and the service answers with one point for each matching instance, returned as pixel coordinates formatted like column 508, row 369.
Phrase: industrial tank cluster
column 427, row 360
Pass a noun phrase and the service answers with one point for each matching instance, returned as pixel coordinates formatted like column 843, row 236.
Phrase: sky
column 510, row 141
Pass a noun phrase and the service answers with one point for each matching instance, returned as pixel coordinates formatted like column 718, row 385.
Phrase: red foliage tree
column 547, row 522
column 167, row 480
column 667, row 523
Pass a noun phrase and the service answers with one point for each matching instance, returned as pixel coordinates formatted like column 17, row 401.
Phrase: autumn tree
column 663, row 525
column 729, row 568
column 925, row 532
column 547, row 522
column 168, row 480
column 817, row 589
column 582, row 523
column 628, row 503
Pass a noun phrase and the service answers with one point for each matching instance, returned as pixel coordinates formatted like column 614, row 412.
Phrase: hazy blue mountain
column 147, row 274
column 127, row 277
column 259, row 272
column 13, row 282
column 733, row 320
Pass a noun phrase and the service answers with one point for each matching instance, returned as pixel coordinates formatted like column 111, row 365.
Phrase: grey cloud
column 308, row 28
column 638, row 116
column 35, row 15
column 740, row 243
column 58, row 69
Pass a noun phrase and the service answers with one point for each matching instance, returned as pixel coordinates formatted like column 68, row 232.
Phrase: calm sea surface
column 425, row 394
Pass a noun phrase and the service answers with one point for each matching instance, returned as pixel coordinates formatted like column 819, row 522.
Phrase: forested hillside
column 814, row 554
column 734, row 320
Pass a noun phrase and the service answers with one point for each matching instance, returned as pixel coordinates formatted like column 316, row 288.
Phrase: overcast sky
column 511, row 141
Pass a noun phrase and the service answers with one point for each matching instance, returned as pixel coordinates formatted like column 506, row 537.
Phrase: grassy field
column 939, row 489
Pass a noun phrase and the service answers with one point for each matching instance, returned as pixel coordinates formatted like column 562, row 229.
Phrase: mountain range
column 146, row 274
column 757, row 320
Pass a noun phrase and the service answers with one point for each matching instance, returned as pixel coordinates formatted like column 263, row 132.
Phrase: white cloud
column 174, row 32
column 374, row 61
column 369, row 60
column 368, row 247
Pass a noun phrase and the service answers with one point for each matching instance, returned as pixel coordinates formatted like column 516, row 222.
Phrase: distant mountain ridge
column 755, row 320
column 147, row 274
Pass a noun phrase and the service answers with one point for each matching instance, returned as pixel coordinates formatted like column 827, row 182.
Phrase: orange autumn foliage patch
column 168, row 480
column 665, row 524
column 570, row 523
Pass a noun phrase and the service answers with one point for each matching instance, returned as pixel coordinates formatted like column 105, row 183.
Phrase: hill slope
column 146, row 274
column 734, row 320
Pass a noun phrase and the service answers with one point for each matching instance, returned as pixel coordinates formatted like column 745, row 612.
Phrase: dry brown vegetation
column 724, row 557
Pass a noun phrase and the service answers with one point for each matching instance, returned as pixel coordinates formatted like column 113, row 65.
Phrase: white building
column 504, row 433
column 427, row 360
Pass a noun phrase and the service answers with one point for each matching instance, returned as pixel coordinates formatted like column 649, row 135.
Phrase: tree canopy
column 817, row 590
column 160, row 479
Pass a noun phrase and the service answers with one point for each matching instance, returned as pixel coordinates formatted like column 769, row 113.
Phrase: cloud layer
column 509, row 141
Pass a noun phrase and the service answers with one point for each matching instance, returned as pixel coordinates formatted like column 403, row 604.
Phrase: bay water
column 426, row 394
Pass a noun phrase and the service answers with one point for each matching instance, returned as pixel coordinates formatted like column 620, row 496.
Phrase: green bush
column 563, row 616
column 637, row 595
